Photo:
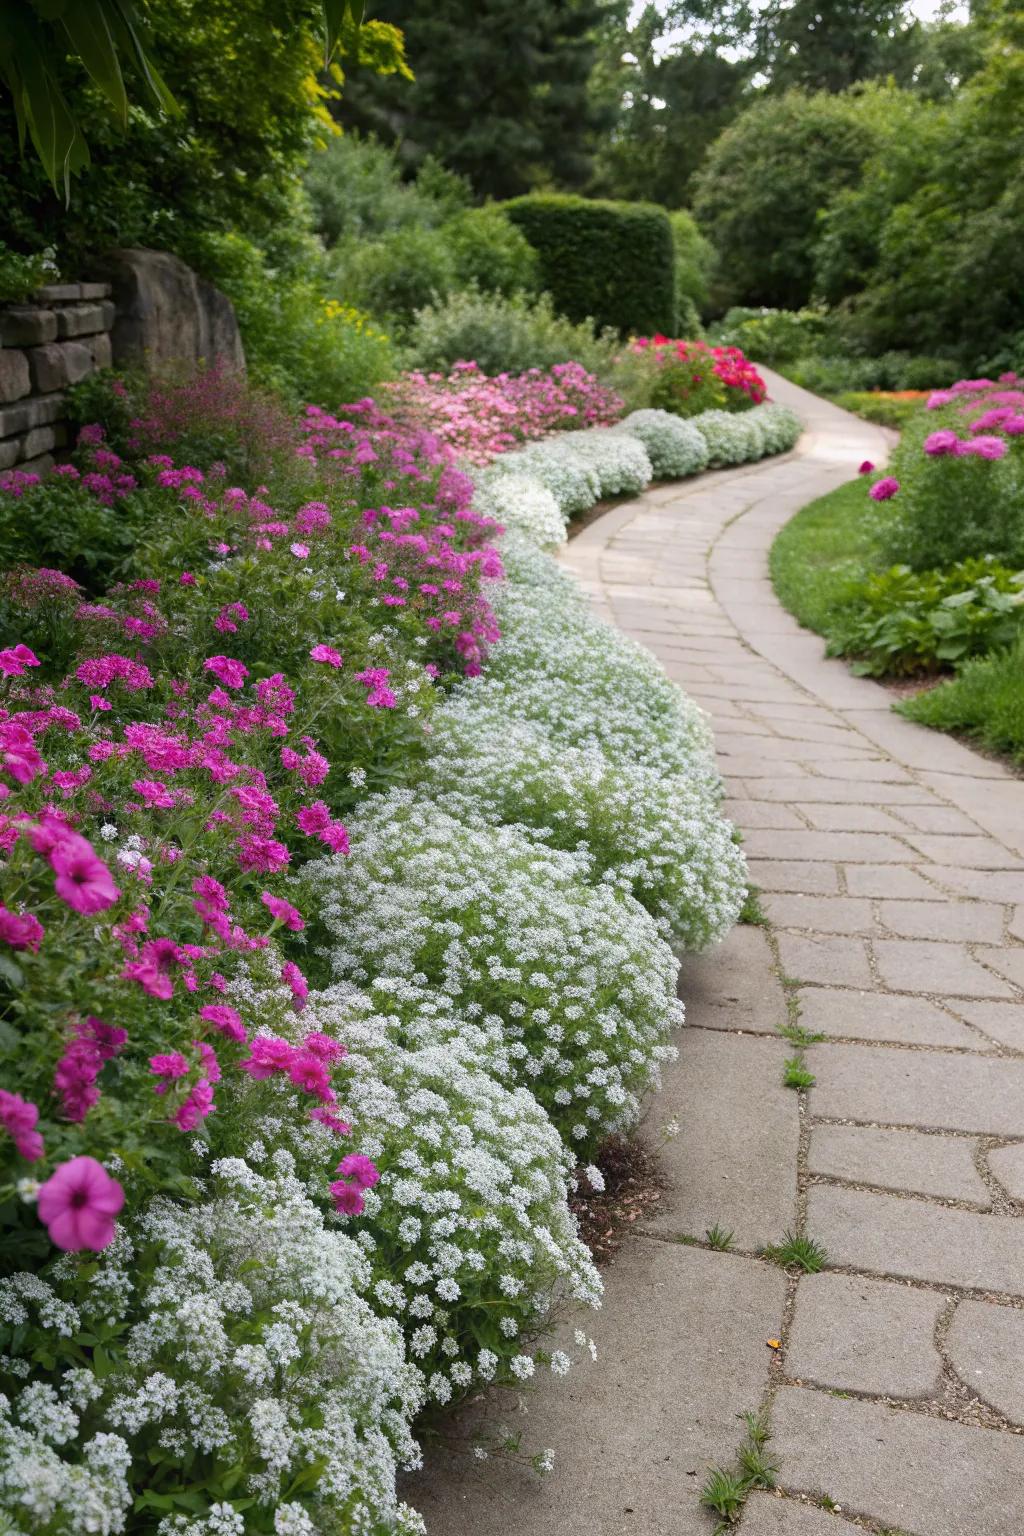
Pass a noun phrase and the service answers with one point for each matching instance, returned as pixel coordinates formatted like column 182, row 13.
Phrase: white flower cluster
column 499, row 927
column 522, row 503
column 674, row 446
column 739, row 437
column 469, row 1231
column 574, row 470
column 585, row 682
column 659, row 837
column 247, row 1344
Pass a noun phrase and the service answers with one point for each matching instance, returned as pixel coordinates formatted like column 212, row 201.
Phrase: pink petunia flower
column 225, row 1019
column 18, row 1117
column 348, row 1200
column 363, row 1172
column 884, row 490
column 20, row 929
column 78, row 1204
column 226, row 670
column 83, row 880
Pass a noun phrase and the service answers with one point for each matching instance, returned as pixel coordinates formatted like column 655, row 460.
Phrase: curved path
column 891, row 862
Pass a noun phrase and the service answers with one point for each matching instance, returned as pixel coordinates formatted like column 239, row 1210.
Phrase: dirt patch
column 633, row 1188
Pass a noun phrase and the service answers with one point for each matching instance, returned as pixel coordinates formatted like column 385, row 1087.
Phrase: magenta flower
column 262, row 854
column 283, row 911
column 78, row 1204
column 360, row 1169
column 171, row 1065
column 297, row 983
column 225, row 1019
column 866, row 467
column 83, row 880
column 196, row 1107
column 231, row 673
column 984, row 448
column 884, row 490
column 20, row 929
column 16, row 659
column 941, row 442
column 310, row 1074
column 328, row 654
column 19, row 755
column 18, row 1117
column 348, row 1200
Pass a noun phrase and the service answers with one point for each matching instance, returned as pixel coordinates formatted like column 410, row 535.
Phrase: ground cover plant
column 255, row 752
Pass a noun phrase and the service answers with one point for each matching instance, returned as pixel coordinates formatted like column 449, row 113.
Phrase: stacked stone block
column 61, row 335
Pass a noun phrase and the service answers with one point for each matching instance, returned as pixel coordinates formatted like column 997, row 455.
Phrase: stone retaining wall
column 155, row 315
column 60, row 335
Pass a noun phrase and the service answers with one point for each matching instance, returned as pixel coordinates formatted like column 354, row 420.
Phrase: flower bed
column 334, row 933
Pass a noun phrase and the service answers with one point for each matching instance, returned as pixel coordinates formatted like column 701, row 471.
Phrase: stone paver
column 1007, row 1163
column 769, row 1515
column 861, row 1335
column 985, row 1344
column 916, row 1240
column 881, row 1016
column 920, row 965
column 1003, row 1022
column 912, row 1161
column 967, row 920
column 982, row 1094
column 735, row 986
column 891, row 862
column 745, row 1184
column 909, row 1472
column 839, row 914
column 832, row 960
column 682, row 1350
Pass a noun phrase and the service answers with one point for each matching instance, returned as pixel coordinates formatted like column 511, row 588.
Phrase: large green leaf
column 91, row 34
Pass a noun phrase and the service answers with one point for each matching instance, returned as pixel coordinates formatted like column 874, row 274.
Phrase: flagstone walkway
column 891, row 865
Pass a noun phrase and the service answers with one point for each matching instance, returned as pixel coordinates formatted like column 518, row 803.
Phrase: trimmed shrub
column 611, row 263
column 675, row 447
column 503, row 335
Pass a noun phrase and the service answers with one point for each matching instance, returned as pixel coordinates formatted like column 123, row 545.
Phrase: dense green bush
column 695, row 263
column 503, row 335
column 772, row 336
column 764, row 184
column 612, row 263
column 296, row 341
column 488, row 250
column 836, row 373
column 356, row 191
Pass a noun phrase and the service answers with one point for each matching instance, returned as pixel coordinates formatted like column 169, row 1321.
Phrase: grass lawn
column 984, row 702
column 822, row 552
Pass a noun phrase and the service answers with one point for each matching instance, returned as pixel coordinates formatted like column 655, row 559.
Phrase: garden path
column 891, row 865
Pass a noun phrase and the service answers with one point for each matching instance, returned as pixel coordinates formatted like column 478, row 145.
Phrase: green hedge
column 611, row 262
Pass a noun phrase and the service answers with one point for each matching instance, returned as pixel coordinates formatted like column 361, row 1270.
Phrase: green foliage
column 796, row 1073
column 669, row 89
column 904, row 622
column 296, row 342
column 356, row 191
column 796, row 1251
column 504, row 335
column 836, row 374
column 886, row 410
column 396, row 275
column 771, row 336
column 985, row 701
column 19, row 275
column 490, row 253
column 695, row 264
column 764, row 184
column 75, row 533
column 828, row 45
column 612, row 263
column 500, row 91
